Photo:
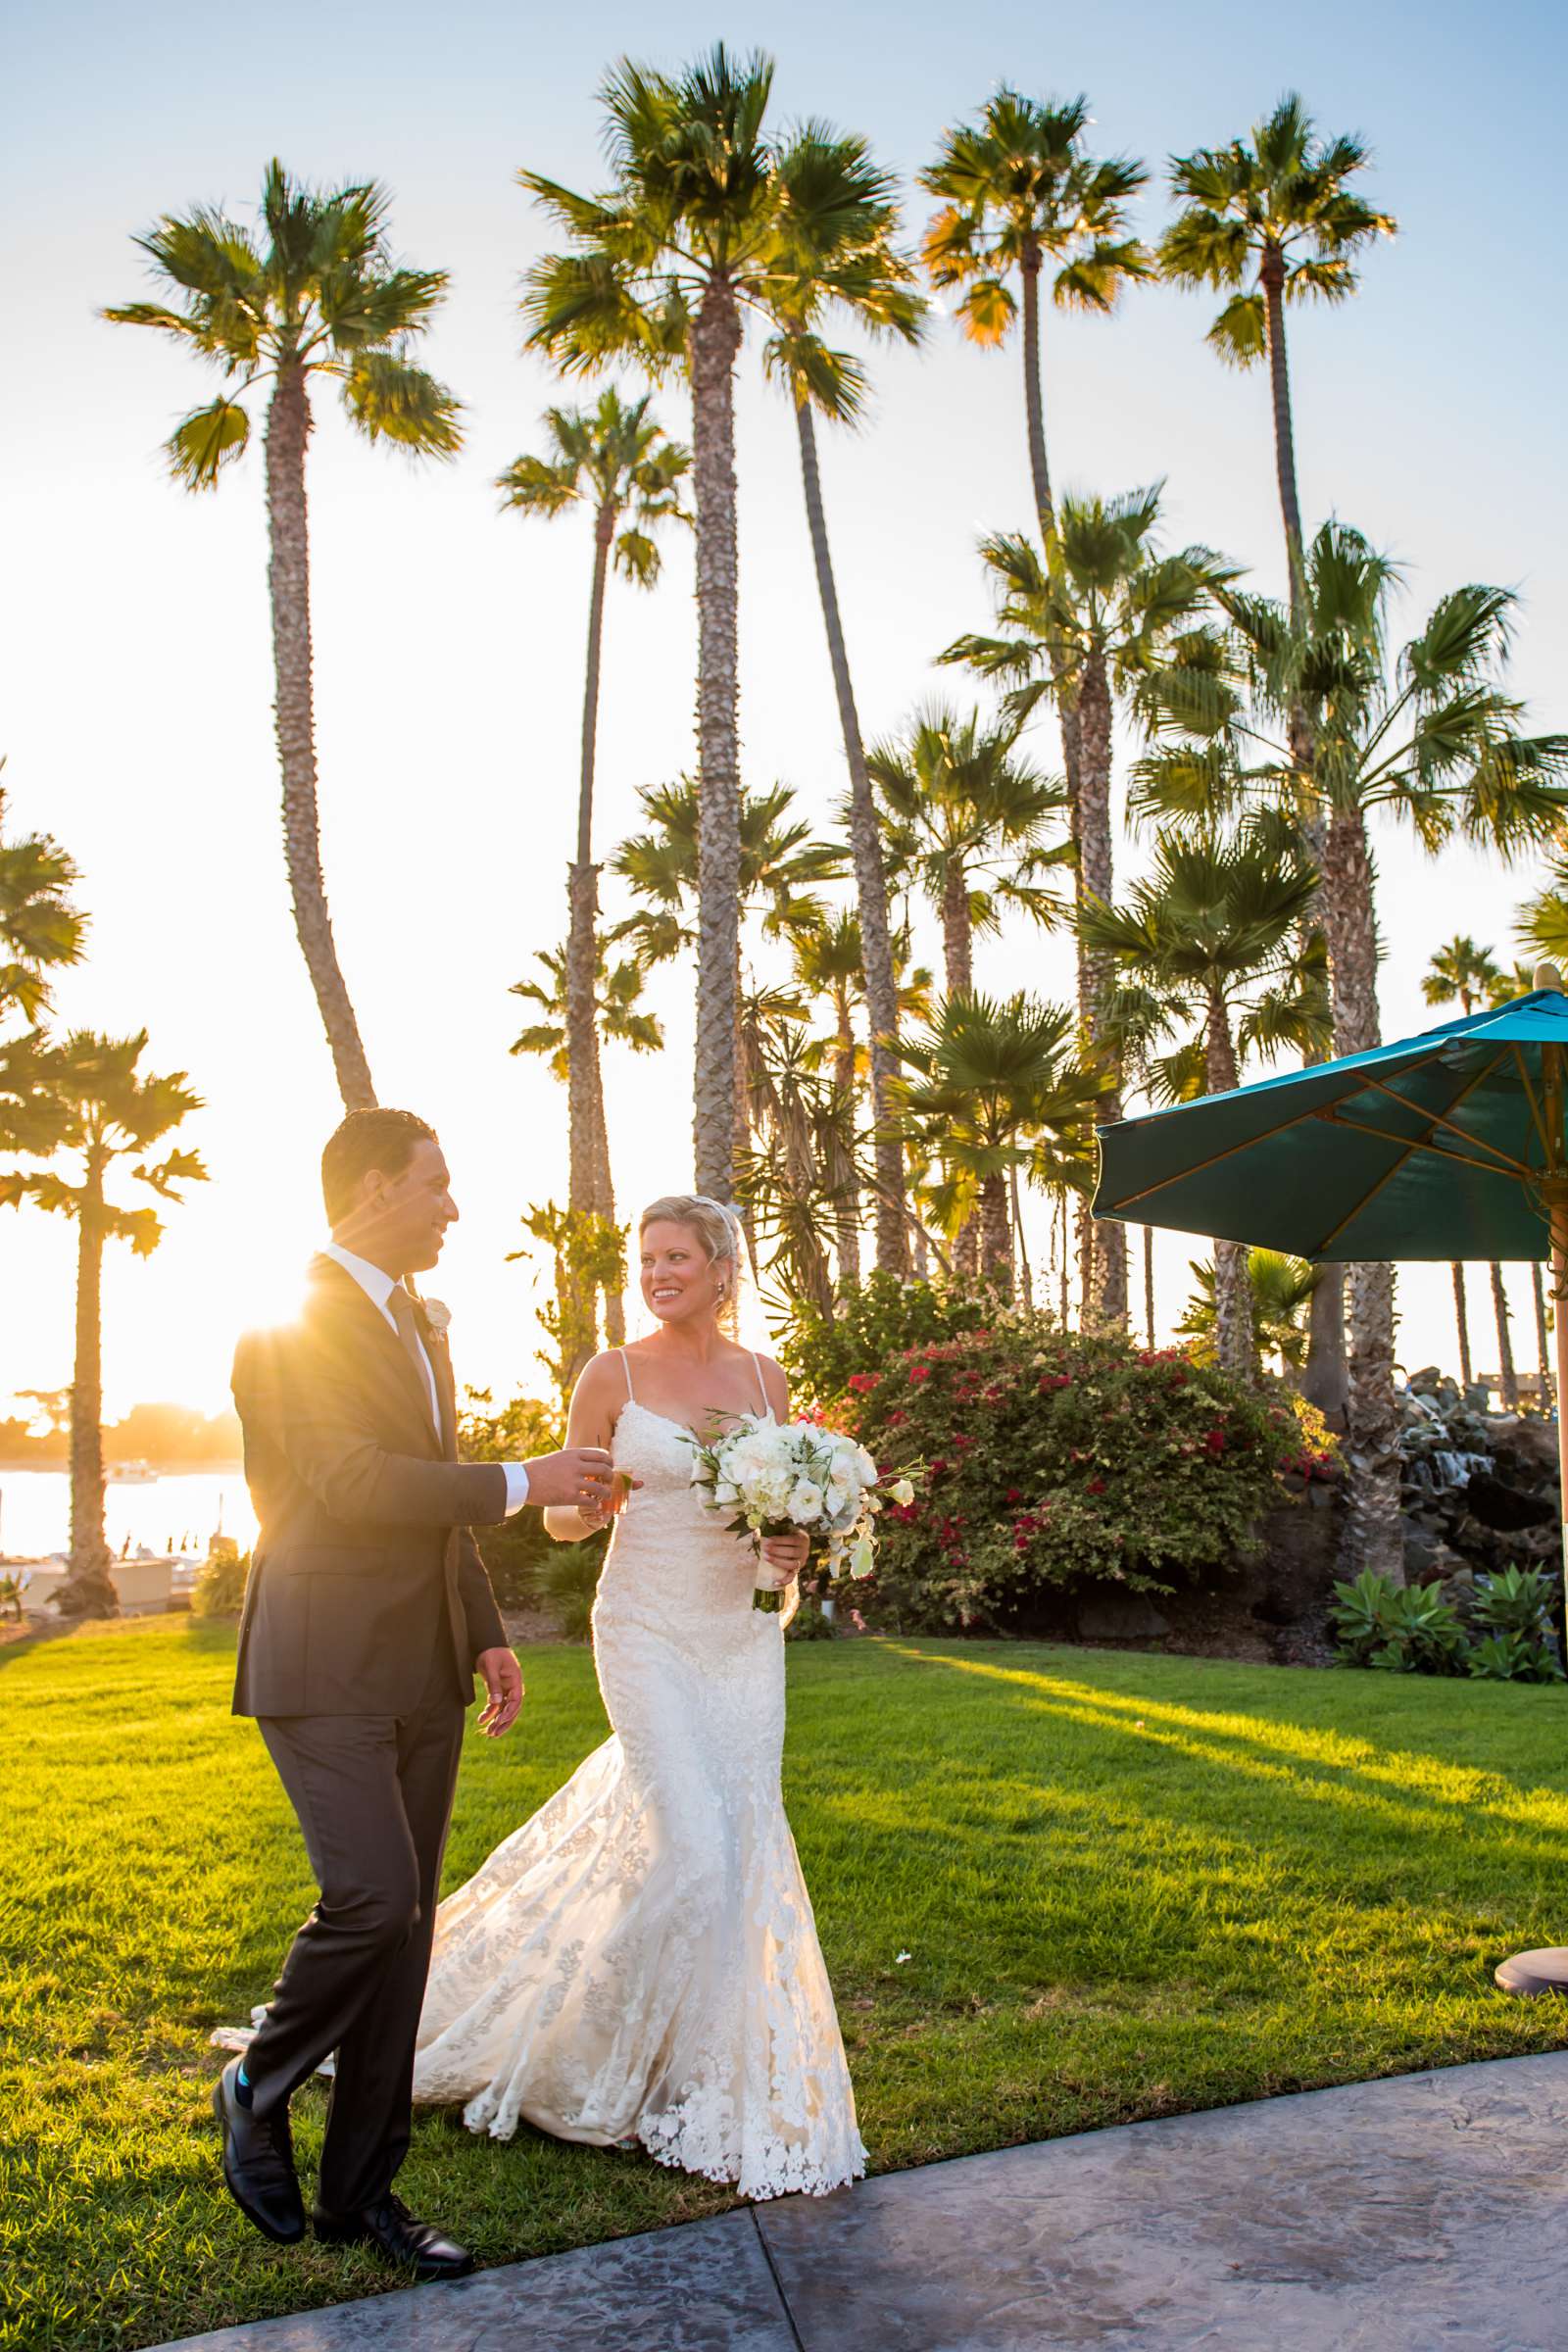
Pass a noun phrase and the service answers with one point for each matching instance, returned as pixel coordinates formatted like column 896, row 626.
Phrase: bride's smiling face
column 678, row 1278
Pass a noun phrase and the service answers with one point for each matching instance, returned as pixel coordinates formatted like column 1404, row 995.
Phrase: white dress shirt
column 378, row 1287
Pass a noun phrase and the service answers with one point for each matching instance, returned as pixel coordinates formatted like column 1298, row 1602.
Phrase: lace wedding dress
column 639, row 1963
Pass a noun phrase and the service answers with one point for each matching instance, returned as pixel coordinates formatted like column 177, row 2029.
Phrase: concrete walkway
column 1425, row 2214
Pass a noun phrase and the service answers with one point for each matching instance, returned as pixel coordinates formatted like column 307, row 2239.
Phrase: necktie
column 402, row 1307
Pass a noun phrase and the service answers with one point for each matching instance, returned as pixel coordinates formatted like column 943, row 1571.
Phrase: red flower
column 863, row 1383
column 1095, row 1486
column 1015, row 1494
column 1214, row 1443
column 919, row 1371
column 1054, row 1380
column 895, row 1420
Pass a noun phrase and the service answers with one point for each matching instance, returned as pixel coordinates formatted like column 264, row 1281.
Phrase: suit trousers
column 373, row 1796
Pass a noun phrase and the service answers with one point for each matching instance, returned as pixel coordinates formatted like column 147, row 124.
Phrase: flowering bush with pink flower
column 1057, row 1459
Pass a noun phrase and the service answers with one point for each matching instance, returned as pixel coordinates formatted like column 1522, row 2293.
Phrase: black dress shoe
column 258, row 2163
column 389, row 2224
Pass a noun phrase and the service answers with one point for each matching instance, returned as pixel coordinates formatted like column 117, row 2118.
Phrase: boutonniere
column 437, row 1316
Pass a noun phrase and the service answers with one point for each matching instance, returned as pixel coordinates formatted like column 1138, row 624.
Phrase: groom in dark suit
column 367, row 1617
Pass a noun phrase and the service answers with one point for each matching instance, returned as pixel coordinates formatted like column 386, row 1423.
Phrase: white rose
column 903, row 1491
column 806, row 1502
column 438, row 1315
column 865, row 1464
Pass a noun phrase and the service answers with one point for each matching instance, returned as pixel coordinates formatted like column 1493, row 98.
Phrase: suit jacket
column 364, row 1562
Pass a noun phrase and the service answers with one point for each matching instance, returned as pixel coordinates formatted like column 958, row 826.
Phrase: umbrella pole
column 1547, row 1970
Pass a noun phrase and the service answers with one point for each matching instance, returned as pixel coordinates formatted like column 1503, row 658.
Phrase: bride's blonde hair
column 717, row 1229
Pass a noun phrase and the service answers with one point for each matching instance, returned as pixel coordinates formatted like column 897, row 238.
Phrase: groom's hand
column 502, row 1684
column 578, row 1476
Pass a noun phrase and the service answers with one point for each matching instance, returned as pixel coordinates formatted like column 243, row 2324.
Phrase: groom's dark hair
column 366, row 1140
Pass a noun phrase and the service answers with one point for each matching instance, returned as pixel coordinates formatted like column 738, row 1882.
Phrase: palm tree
column 1429, row 735
column 108, row 1110
column 318, row 295
column 1271, row 223
column 1281, row 1289
column 969, row 820
column 1080, row 627
column 616, row 461
column 846, row 261
column 41, row 932
column 1017, row 192
column 616, row 1013
column 830, row 961
column 781, row 871
column 1457, row 973
column 1211, row 927
column 989, row 1079
column 662, row 269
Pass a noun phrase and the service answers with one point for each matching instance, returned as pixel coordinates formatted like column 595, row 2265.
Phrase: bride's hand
column 786, row 1556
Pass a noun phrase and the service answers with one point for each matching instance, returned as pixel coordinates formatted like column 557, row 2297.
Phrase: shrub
column 1515, row 1612
column 526, row 1566
column 873, row 1321
column 1047, row 1460
column 1414, row 1629
column 220, row 1586
column 1398, row 1629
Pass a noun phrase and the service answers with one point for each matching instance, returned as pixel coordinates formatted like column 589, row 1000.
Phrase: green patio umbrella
column 1451, row 1145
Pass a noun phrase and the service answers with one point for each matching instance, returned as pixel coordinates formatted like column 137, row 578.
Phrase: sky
column 449, row 638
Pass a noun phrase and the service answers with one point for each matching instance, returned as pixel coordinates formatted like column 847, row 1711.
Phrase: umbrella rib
column 1530, row 1098
column 1409, row 1145
column 1373, row 1190
column 1436, row 1118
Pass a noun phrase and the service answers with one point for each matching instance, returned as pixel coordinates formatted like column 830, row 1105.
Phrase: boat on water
column 130, row 1474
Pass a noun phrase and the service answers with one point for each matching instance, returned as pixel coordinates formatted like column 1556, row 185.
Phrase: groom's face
column 400, row 1221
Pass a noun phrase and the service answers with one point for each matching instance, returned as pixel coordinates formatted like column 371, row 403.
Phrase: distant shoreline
column 172, row 1469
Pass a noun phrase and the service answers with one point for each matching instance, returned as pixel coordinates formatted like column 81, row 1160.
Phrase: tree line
column 1269, row 731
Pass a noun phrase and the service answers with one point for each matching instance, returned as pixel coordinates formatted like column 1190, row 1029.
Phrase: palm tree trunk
column 1235, row 1336
column 1507, row 1377
column 995, row 1233
column 1025, row 1276
column 1461, row 1320
column 288, row 427
column 583, row 940
column 715, row 339
column 870, row 880
column 847, row 1220
column 956, row 935
column 1272, row 275
column 1032, row 388
column 1064, row 1302
column 87, row 1589
column 1149, row 1286
column 1095, row 879
column 1374, row 1533
column 1543, row 1344
column 604, row 1203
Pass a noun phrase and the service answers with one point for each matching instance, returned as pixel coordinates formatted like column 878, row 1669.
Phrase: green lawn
column 1127, row 1886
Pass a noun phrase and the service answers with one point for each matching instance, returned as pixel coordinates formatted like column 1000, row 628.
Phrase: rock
column 1530, row 1451
column 1111, row 1616
column 1506, row 1509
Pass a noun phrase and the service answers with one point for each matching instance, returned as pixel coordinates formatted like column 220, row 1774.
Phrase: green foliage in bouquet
column 1056, row 1460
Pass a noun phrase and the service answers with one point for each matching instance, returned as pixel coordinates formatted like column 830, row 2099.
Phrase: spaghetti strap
column 626, row 1365
column 762, row 1385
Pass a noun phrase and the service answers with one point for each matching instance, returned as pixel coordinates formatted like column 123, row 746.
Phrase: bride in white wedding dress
column 639, row 1964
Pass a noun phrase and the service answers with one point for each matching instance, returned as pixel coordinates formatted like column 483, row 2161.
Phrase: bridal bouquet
column 781, row 1478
